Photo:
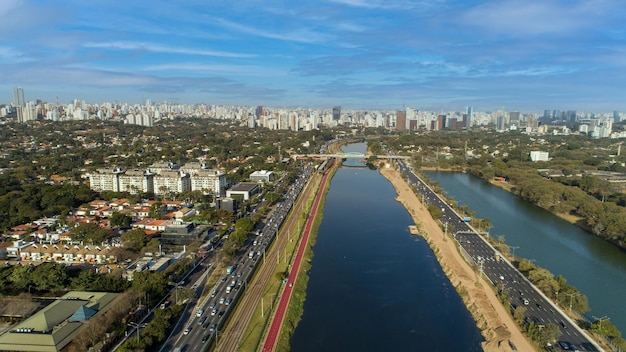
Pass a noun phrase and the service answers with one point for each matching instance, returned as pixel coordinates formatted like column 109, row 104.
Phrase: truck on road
column 229, row 270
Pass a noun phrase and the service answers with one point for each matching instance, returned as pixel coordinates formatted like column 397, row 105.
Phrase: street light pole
column 513, row 253
column 571, row 298
column 136, row 326
column 600, row 321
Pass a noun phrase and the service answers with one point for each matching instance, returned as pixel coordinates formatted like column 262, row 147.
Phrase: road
column 233, row 332
column 499, row 271
column 201, row 322
column 281, row 309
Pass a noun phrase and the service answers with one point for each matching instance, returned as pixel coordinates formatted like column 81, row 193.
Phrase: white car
column 186, row 332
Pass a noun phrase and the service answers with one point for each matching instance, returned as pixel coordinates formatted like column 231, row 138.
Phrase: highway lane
column 272, row 335
column 499, row 271
column 233, row 334
column 224, row 295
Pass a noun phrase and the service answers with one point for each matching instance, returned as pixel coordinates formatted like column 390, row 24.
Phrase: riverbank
column 493, row 320
column 572, row 219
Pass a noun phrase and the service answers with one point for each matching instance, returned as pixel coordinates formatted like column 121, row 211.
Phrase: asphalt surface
column 281, row 309
column 202, row 320
column 500, row 272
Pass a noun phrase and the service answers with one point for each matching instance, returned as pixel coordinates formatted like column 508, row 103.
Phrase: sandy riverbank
column 491, row 317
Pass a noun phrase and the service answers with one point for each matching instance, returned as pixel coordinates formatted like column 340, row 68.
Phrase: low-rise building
column 262, row 176
column 55, row 326
column 243, row 190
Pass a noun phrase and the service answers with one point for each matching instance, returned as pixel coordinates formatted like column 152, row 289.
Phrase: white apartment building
column 136, row 181
column 105, row 179
column 171, row 181
column 536, row 155
column 209, row 181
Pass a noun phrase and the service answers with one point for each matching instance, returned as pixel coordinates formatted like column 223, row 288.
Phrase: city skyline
column 438, row 55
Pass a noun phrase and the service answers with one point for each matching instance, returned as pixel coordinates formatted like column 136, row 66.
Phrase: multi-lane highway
column 202, row 321
column 500, row 272
column 281, row 309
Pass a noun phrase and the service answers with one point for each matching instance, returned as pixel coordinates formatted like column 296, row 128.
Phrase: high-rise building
column 336, row 113
column 18, row 96
column 258, row 112
column 18, row 101
column 616, row 117
column 514, row 118
column 467, row 122
column 500, row 123
column 29, row 112
column 400, row 120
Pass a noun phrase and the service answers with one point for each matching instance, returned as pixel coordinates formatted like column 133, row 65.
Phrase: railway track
column 232, row 335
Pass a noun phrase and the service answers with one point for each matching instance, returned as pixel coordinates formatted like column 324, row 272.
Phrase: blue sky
column 526, row 55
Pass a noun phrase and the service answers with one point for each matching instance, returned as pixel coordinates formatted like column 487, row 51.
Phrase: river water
column 595, row 267
column 373, row 286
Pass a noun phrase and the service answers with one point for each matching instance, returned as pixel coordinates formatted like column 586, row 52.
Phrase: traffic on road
column 500, row 272
column 202, row 321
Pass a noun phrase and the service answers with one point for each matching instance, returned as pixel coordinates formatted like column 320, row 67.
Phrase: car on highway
column 222, row 300
column 213, row 327
column 201, row 320
column 214, row 311
column 200, row 312
column 212, row 305
column 205, row 338
column 186, row 332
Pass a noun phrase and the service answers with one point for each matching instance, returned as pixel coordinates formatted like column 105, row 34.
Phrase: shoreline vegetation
column 491, row 317
column 572, row 219
column 295, row 309
column 607, row 338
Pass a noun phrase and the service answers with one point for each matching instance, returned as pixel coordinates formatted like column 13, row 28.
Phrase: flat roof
column 244, row 187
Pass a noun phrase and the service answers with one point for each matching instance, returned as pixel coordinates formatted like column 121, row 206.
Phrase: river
column 595, row 267
column 373, row 286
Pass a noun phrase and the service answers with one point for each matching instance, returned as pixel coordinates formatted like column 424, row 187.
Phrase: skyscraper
column 18, row 101
column 400, row 120
column 336, row 113
column 467, row 123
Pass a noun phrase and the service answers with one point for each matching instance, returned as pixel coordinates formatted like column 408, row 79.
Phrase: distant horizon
column 462, row 110
column 433, row 55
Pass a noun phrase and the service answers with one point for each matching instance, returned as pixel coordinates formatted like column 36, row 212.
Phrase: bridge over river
column 351, row 155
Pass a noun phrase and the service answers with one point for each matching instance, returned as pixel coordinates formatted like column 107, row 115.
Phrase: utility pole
column 513, row 253
column 571, row 298
column 600, row 321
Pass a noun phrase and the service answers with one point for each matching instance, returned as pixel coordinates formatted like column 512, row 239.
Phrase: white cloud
column 388, row 4
column 122, row 45
column 10, row 55
column 6, row 6
column 533, row 17
column 248, row 70
column 300, row 35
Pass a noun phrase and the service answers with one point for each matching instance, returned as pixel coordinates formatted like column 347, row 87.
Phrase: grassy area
column 296, row 304
column 260, row 322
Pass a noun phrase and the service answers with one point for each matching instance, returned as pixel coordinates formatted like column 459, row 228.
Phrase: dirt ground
column 496, row 325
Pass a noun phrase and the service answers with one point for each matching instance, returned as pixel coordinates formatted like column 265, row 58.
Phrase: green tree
column 244, row 224
column 134, row 239
column 120, row 220
column 21, row 277
column 89, row 233
column 50, row 276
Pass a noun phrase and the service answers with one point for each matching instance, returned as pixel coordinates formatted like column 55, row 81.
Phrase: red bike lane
column 281, row 309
